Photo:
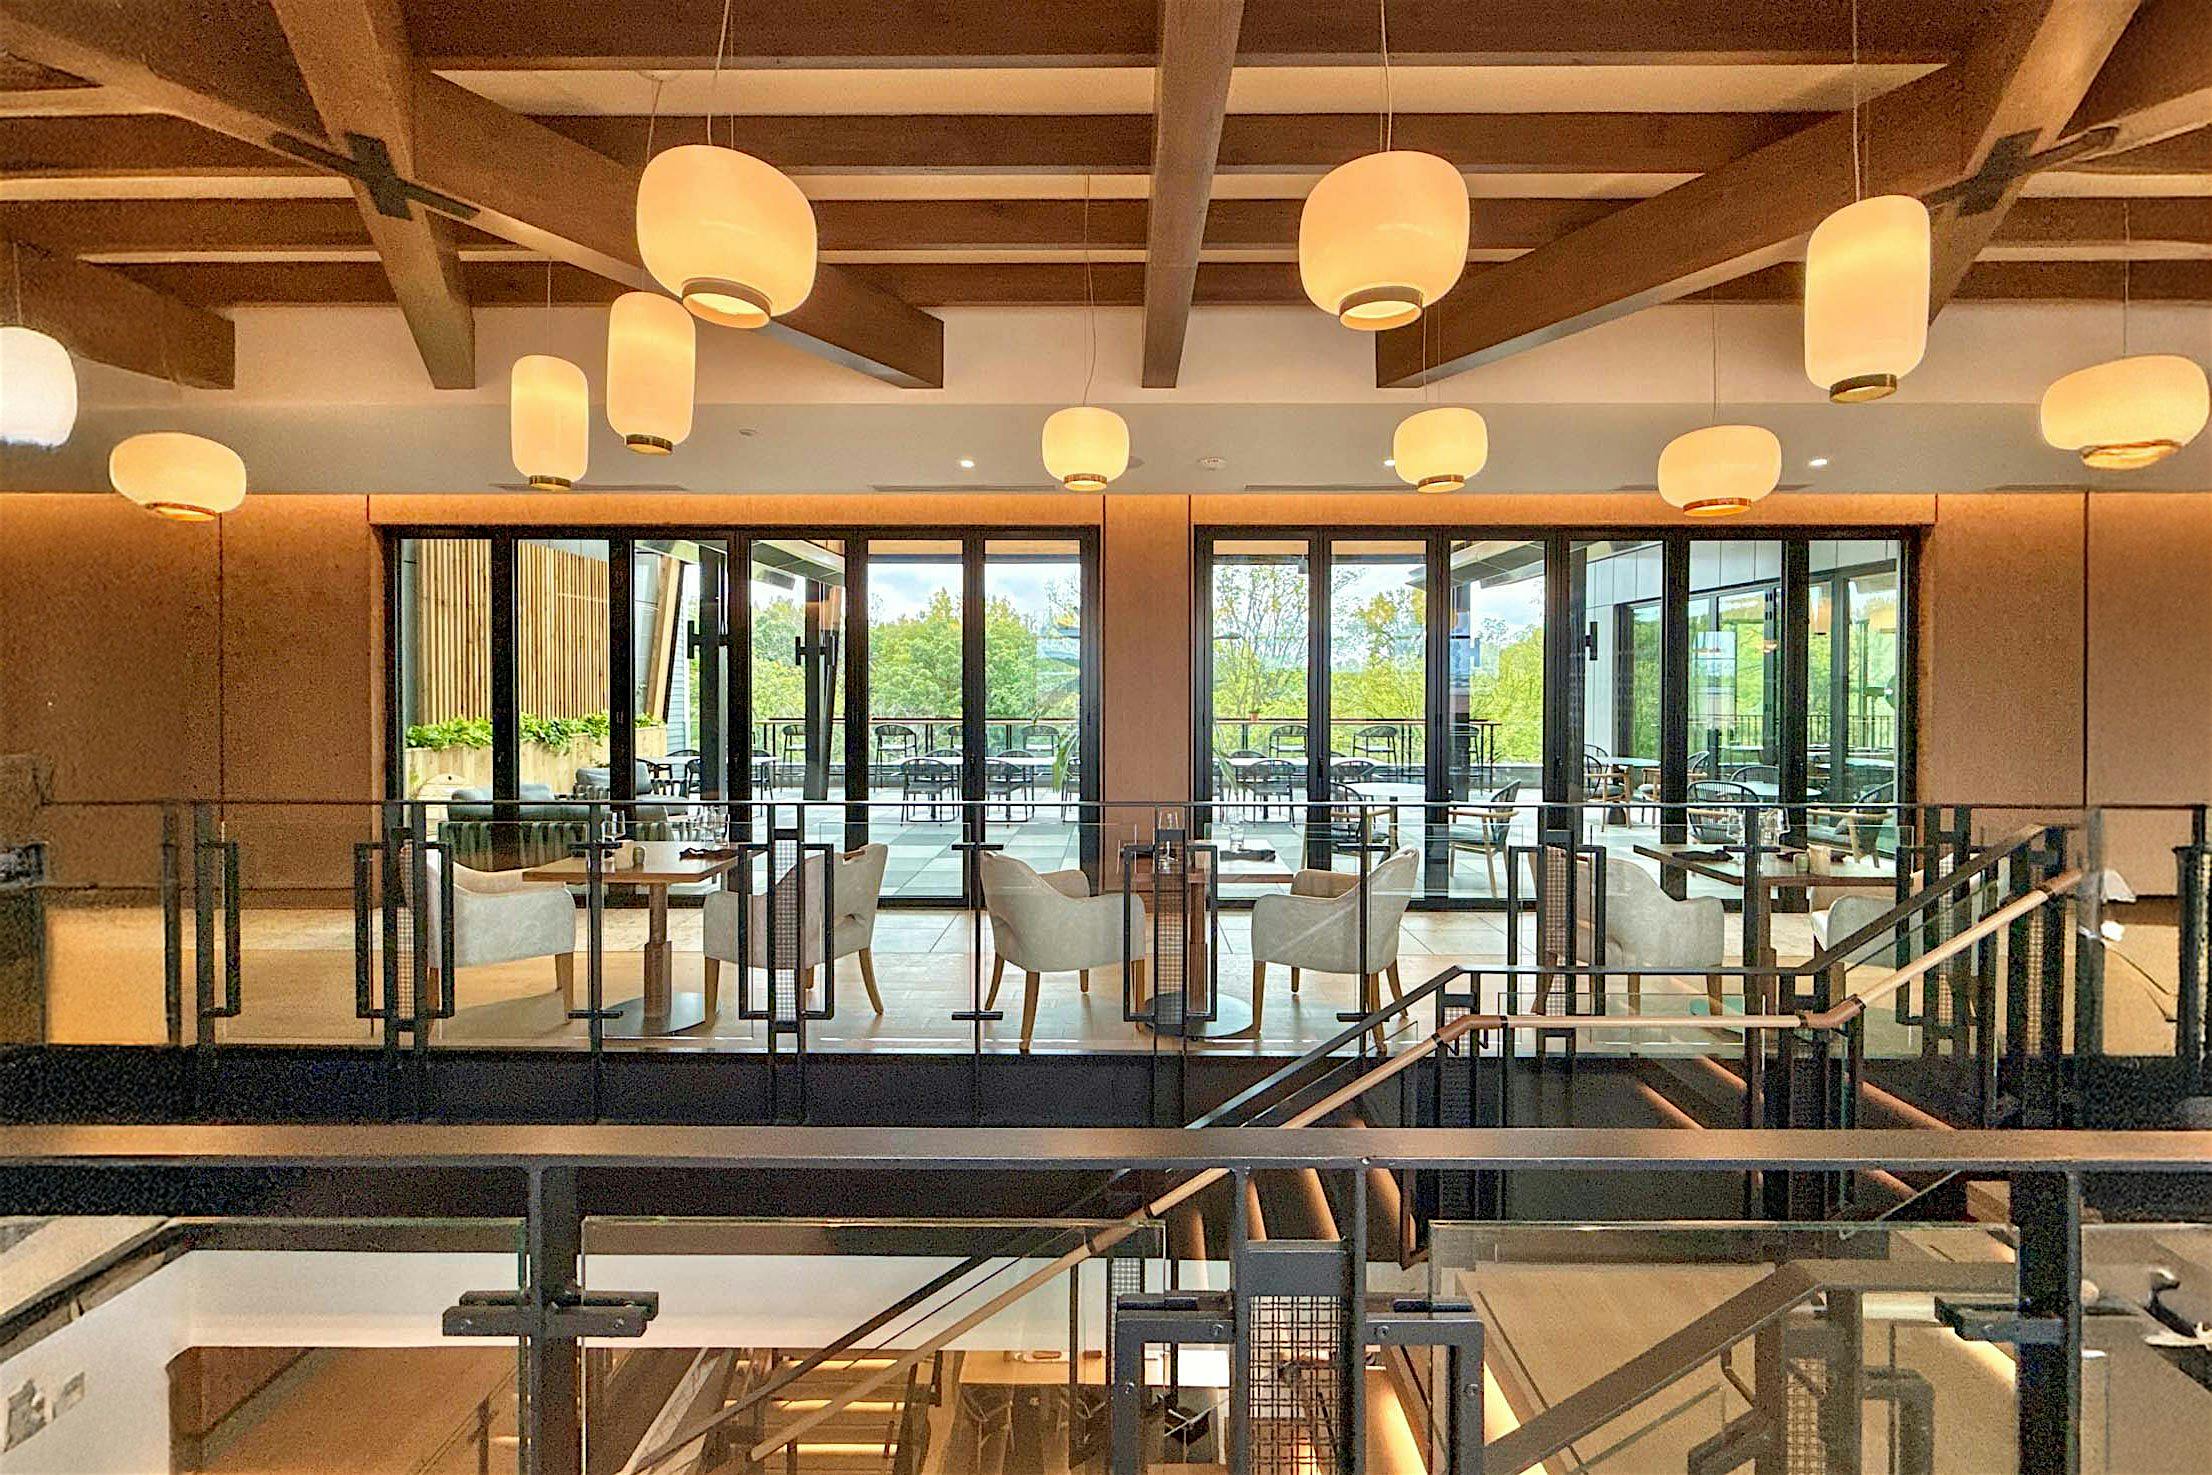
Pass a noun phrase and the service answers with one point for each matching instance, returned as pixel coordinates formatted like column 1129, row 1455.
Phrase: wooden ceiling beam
column 2158, row 80
column 645, row 34
column 947, row 284
column 2020, row 83
column 1060, row 143
column 1198, row 50
column 353, row 55
column 107, row 317
column 505, row 174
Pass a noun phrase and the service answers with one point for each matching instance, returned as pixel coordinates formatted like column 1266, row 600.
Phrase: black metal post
column 2046, row 1208
column 553, row 1430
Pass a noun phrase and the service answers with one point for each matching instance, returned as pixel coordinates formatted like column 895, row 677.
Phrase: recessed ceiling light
column 1390, row 461
column 1817, row 462
column 967, row 463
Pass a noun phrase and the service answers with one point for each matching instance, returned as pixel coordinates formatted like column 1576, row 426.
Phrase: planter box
column 443, row 770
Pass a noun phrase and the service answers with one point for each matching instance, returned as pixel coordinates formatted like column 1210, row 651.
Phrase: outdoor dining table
column 1826, row 868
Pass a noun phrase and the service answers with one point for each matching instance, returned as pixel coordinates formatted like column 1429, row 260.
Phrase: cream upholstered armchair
column 855, row 889
column 1317, row 925
column 1051, row 923
column 500, row 918
column 1648, row 930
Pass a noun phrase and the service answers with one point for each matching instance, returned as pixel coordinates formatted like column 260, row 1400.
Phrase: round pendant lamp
column 728, row 234
column 1383, row 237
column 185, row 478
column 38, row 389
column 549, row 421
column 652, row 350
column 1086, row 447
column 1721, row 470
column 2127, row 413
column 1441, row 450
column 1866, row 297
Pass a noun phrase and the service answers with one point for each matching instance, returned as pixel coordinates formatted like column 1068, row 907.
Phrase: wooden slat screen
column 561, row 630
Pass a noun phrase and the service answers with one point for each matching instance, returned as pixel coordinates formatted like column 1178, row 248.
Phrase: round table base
column 631, row 1022
column 1233, row 1018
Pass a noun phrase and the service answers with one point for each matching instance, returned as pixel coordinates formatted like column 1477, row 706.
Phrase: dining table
column 658, row 865
column 1205, row 869
column 1784, row 869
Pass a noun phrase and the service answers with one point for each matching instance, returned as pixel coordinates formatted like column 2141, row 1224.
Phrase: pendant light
column 38, row 384
column 549, row 421
column 1086, row 446
column 1721, row 470
column 1439, row 449
column 729, row 234
column 1867, row 269
column 185, row 478
column 651, row 352
column 1383, row 237
column 2132, row 411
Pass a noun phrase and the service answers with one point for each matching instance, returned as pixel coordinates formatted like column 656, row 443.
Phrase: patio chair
column 1051, row 923
column 1377, row 741
column 1718, row 826
column 1237, row 770
column 896, row 742
column 500, row 918
column 1040, row 738
column 1485, row 829
column 1352, row 820
column 1857, row 826
column 855, row 888
column 1649, row 931
column 1604, row 783
column 1287, row 742
column 1272, row 779
column 1317, row 925
column 1005, row 781
column 1352, row 770
column 932, row 779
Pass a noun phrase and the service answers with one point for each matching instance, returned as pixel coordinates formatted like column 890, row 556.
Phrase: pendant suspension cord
column 714, row 87
column 653, row 118
column 1090, row 300
column 1713, row 310
column 1858, row 178
column 2127, row 272
column 1382, row 26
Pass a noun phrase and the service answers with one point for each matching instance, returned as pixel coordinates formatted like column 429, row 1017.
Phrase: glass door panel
column 679, row 681
column 1033, row 698
column 1854, row 691
column 1256, row 677
column 444, row 619
column 1495, row 716
column 797, row 590
column 915, row 748
column 1378, row 691
column 1613, row 751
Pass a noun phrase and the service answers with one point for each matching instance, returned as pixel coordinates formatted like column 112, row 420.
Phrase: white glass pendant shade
column 549, row 421
column 1440, row 450
column 38, row 389
column 1866, row 297
column 1382, row 237
column 652, row 353
column 186, row 478
column 1720, row 470
column 1086, row 447
column 727, row 233
column 2129, row 413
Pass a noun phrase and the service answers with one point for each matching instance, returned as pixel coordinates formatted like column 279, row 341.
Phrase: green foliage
column 1511, row 691
column 560, row 733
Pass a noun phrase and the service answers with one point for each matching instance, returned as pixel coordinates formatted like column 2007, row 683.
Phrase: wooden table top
column 665, row 865
column 1699, row 860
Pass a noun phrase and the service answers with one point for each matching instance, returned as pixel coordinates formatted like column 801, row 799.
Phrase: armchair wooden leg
column 1490, row 864
column 1259, row 995
column 1397, row 989
column 1370, row 999
column 998, row 976
column 1083, row 975
column 1713, row 994
column 868, row 977
column 1294, row 980
column 1029, row 1008
column 564, row 978
column 714, row 989
column 1636, row 992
